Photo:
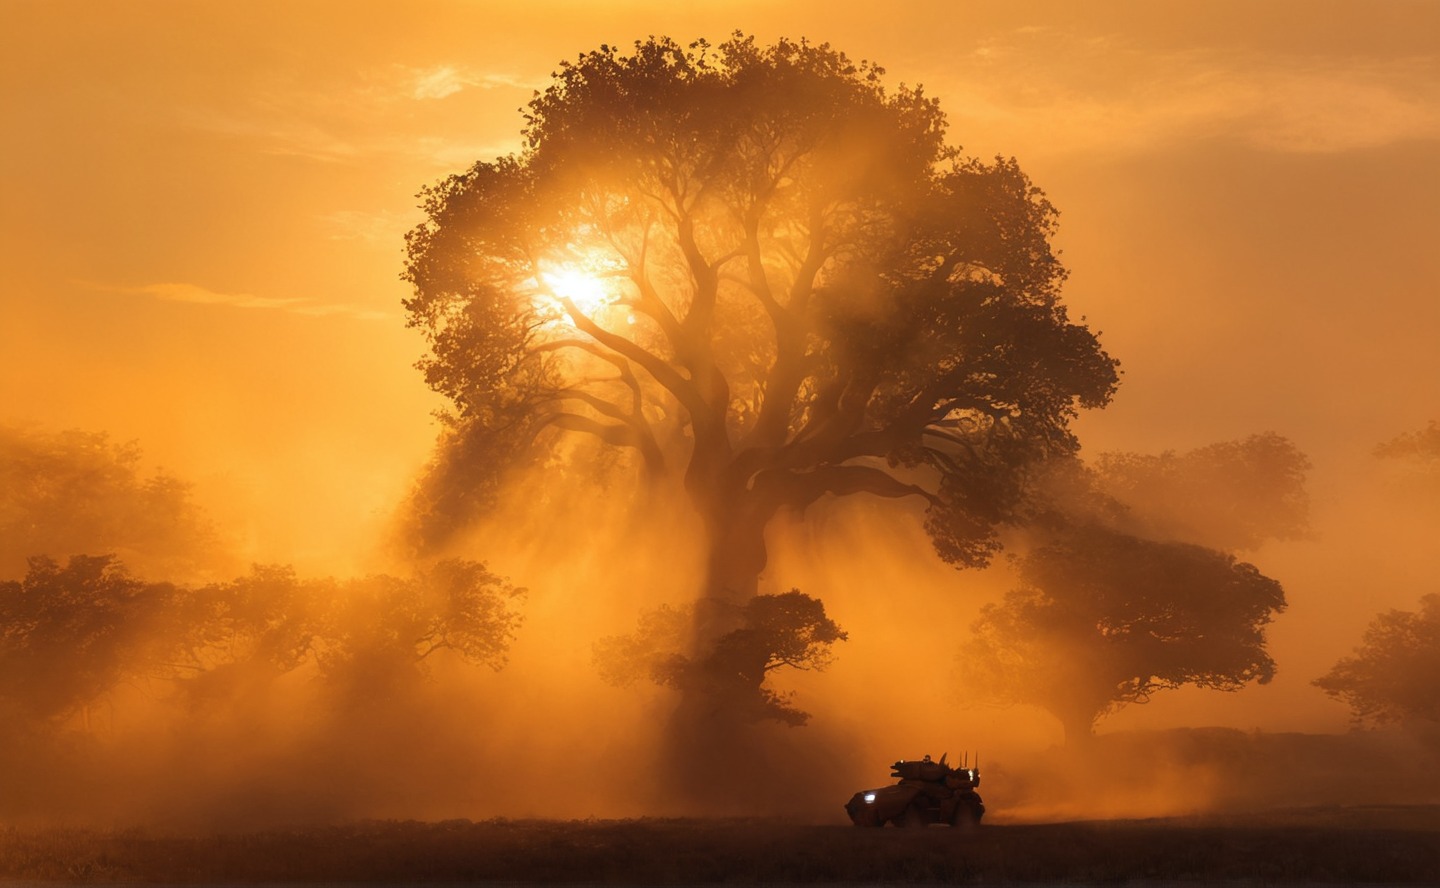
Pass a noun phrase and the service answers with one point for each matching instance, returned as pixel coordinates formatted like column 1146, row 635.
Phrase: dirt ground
column 1326, row 846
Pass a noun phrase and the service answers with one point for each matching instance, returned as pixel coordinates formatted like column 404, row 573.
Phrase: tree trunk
column 1077, row 718
column 736, row 555
column 710, row 746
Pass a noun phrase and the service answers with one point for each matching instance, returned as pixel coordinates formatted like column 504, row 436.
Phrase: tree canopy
column 1410, row 464
column 765, row 277
column 789, row 630
column 1102, row 619
column 73, row 493
column 1420, row 448
column 1394, row 674
column 71, row 634
column 1126, row 589
column 1230, row 495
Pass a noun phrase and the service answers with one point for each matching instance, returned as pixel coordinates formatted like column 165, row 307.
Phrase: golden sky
column 203, row 206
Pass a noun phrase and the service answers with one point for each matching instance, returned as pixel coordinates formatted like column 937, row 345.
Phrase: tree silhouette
column 367, row 637
column 765, row 278
column 1102, row 619
column 235, row 639
column 1420, row 448
column 77, row 493
column 1410, row 464
column 69, row 634
column 376, row 633
column 789, row 630
column 1394, row 674
column 1230, row 495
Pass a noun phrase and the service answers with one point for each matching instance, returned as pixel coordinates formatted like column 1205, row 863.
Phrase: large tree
column 1394, row 674
column 764, row 276
column 1102, row 619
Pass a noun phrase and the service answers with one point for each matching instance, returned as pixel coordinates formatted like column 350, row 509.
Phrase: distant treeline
column 71, row 633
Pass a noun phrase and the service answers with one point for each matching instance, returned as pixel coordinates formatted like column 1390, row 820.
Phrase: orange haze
column 202, row 229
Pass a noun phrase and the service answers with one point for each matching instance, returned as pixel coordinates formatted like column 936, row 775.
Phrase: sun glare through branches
column 588, row 294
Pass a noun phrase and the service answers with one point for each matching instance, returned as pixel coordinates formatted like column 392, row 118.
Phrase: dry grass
column 1391, row 846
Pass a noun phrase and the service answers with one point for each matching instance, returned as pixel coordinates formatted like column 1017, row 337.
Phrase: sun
column 588, row 293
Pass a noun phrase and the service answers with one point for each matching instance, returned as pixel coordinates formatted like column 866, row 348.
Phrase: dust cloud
column 542, row 736
column 545, row 737
column 1248, row 282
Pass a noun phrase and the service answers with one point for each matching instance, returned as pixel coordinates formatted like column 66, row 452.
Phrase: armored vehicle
column 927, row 792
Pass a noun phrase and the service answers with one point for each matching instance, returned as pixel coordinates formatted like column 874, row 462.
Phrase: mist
column 544, row 736
column 1256, row 263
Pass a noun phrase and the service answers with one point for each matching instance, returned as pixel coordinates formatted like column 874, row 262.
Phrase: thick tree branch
column 702, row 306
column 616, row 435
column 787, row 374
column 799, row 490
column 645, row 435
column 684, row 390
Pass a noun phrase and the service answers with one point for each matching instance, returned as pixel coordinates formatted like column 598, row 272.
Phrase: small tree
column 1102, row 619
column 1394, row 675
column 789, row 630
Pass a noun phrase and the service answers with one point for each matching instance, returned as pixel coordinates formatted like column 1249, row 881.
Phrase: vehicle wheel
column 911, row 818
column 869, row 820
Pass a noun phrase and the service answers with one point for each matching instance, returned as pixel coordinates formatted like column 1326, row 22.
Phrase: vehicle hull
column 915, row 803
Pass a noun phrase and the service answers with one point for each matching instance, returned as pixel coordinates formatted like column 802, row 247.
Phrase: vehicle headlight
column 869, row 798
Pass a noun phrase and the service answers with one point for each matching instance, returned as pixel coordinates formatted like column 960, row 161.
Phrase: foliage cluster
column 77, row 492
column 1116, row 600
column 72, row 634
column 1102, row 619
column 1231, row 495
column 1394, row 674
column 1421, row 447
column 785, row 630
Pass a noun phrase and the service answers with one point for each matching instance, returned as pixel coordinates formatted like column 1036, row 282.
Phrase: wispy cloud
column 1331, row 108
column 1057, row 93
column 386, row 227
column 194, row 294
column 441, row 81
column 393, row 112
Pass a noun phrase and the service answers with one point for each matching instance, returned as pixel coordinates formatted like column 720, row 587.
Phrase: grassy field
column 1392, row 846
